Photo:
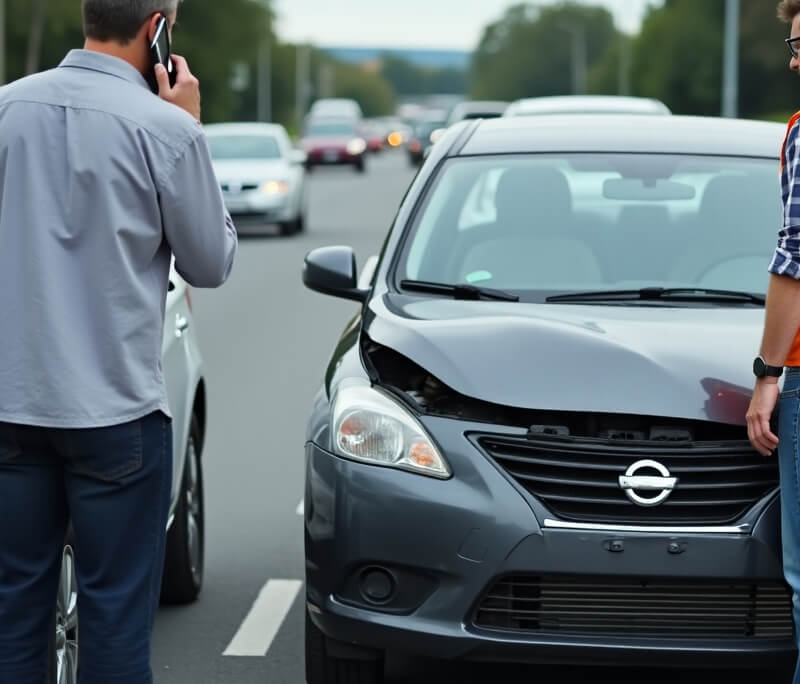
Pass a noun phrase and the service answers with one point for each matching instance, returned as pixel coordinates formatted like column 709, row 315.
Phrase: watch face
column 759, row 367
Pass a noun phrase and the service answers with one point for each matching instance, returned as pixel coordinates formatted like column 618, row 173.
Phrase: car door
column 176, row 369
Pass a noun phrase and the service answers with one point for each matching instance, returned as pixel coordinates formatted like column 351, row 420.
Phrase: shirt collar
column 107, row 64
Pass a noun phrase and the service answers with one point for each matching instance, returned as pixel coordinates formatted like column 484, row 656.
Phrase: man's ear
column 152, row 25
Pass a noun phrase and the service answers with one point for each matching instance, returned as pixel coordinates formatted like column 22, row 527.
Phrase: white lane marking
column 301, row 508
column 265, row 618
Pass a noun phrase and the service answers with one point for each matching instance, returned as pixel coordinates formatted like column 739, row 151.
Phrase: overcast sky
column 445, row 24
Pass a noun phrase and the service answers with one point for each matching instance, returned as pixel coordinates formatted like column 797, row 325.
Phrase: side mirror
column 298, row 157
column 332, row 271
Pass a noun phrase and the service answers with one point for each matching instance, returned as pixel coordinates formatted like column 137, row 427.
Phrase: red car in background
column 375, row 134
column 334, row 141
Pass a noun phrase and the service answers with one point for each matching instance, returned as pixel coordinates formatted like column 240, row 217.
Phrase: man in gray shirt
column 101, row 183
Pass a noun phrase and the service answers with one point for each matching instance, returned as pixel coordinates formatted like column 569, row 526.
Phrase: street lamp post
column 302, row 72
column 730, row 73
column 265, row 80
column 624, row 73
column 577, row 34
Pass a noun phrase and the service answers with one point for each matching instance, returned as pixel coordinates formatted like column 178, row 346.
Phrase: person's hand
column 765, row 397
column 186, row 93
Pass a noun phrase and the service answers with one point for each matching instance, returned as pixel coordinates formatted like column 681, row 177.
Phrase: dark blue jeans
column 789, row 455
column 114, row 485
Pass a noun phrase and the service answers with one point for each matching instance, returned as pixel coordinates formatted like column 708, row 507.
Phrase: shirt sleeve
column 786, row 260
column 197, row 226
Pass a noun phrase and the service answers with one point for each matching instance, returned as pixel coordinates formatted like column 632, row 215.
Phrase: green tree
column 370, row 90
column 766, row 86
column 527, row 53
column 409, row 79
column 677, row 57
column 213, row 36
column 405, row 77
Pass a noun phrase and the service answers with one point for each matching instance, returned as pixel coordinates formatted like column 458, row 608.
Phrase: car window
column 244, row 147
column 330, row 129
column 543, row 224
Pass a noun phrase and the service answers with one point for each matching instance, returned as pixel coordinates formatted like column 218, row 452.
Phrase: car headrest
column 532, row 198
column 739, row 199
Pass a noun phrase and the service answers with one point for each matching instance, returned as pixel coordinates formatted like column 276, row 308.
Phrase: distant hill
column 438, row 59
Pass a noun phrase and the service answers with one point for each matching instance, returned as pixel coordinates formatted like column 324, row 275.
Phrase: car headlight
column 436, row 135
column 356, row 146
column 370, row 427
column 274, row 188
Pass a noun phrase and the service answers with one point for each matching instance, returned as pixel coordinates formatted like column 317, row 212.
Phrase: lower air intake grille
column 659, row 608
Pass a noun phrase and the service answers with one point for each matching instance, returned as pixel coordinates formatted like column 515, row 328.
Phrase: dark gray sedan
column 530, row 441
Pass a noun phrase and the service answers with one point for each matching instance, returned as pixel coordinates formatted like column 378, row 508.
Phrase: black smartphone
column 160, row 53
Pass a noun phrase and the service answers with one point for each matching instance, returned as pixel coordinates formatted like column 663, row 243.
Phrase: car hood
column 255, row 170
column 677, row 362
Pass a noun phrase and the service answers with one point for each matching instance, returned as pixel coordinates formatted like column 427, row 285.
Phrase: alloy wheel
column 194, row 511
column 67, row 621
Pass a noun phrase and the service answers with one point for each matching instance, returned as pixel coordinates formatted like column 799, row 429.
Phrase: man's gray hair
column 120, row 20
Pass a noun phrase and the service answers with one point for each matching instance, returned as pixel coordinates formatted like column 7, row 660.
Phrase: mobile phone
column 160, row 53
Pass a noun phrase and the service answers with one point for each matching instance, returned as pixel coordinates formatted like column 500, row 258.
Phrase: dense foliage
column 676, row 57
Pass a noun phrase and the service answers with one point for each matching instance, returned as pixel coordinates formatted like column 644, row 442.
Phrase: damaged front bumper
column 476, row 568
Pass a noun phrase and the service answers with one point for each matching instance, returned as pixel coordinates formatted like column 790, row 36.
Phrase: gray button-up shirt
column 101, row 182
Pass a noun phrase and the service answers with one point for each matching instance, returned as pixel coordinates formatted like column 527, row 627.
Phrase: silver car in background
column 476, row 109
column 183, row 571
column 586, row 104
column 263, row 178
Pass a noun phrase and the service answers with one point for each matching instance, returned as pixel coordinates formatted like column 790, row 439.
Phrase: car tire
column 293, row 227
column 361, row 165
column 62, row 658
column 183, row 568
column 322, row 668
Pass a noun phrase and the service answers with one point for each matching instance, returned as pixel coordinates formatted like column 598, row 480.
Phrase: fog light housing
column 385, row 588
column 377, row 585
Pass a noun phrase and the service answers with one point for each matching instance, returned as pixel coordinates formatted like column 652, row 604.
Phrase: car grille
column 601, row 606
column 234, row 188
column 578, row 478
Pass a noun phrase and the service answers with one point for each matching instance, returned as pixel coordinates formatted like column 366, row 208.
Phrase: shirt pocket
column 108, row 453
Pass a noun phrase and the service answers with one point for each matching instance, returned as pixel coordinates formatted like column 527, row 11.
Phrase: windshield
column 543, row 225
column 330, row 129
column 244, row 147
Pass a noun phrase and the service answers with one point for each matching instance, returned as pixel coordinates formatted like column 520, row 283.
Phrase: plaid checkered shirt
column 786, row 260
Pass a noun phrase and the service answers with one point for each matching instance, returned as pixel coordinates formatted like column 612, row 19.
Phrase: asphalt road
column 266, row 341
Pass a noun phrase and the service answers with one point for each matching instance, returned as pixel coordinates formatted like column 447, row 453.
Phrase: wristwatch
column 762, row 370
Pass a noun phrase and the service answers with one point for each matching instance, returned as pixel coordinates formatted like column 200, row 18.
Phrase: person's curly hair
column 788, row 10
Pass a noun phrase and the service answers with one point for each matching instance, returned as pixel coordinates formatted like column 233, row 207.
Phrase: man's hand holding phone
column 186, row 91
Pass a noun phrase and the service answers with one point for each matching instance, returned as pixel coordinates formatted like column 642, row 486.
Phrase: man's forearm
column 782, row 319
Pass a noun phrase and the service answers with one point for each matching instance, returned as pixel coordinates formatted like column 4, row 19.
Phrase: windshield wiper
column 688, row 294
column 461, row 291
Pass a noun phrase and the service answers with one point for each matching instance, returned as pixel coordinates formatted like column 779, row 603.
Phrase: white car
column 338, row 107
column 263, row 178
column 477, row 109
column 183, row 571
column 586, row 104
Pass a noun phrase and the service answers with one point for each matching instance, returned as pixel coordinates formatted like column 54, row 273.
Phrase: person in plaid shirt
column 780, row 346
